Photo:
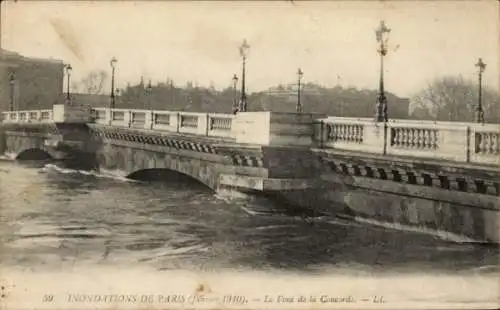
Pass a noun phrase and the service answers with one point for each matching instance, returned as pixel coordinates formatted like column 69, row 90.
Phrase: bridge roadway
column 436, row 175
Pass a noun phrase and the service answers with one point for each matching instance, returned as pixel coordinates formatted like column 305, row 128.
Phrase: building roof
column 10, row 55
column 6, row 52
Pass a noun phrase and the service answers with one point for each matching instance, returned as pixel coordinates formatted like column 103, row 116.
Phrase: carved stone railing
column 193, row 123
column 349, row 133
column 30, row 116
column 190, row 121
column 216, row 125
column 137, row 119
column 46, row 115
column 161, row 119
column 59, row 113
column 118, row 116
column 164, row 120
column 485, row 143
column 454, row 141
column 220, row 123
column 425, row 139
column 414, row 138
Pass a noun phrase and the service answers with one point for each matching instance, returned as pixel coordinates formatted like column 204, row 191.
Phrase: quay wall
column 448, row 217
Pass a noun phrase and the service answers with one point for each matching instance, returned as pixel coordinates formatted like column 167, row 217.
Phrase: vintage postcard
column 249, row 155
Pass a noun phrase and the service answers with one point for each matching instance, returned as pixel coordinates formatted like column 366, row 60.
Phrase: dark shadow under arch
column 166, row 176
column 33, row 154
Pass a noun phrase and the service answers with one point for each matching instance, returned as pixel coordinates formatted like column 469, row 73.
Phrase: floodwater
column 66, row 225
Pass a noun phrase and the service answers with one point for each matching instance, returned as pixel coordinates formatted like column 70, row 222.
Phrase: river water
column 59, row 222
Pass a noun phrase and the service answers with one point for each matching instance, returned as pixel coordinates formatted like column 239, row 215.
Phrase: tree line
column 454, row 98
column 447, row 98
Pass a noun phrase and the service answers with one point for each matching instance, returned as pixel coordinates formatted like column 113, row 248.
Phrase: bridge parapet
column 28, row 116
column 60, row 113
column 452, row 141
column 206, row 124
column 260, row 128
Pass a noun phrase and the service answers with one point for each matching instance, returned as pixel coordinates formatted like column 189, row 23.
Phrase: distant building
column 93, row 100
column 37, row 83
column 336, row 101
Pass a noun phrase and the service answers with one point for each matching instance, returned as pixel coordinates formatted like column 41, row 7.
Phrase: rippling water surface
column 56, row 220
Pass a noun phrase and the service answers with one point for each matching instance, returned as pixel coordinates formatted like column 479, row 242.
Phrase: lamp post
column 113, row 64
column 382, row 36
column 235, row 95
column 243, row 53
column 68, row 70
column 12, row 81
column 299, row 104
column 149, row 88
column 479, row 115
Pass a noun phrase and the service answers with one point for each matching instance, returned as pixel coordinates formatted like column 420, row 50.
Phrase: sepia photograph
column 249, row 154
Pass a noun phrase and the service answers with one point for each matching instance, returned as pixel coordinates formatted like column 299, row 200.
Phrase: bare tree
column 94, row 82
column 453, row 98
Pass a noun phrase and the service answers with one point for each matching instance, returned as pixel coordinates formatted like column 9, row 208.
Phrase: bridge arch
column 34, row 153
column 142, row 164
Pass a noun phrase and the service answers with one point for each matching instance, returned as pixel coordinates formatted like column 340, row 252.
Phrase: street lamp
column 148, row 93
column 68, row 70
column 235, row 96
column 243, row 53
column 479, row 108
column 12, row 81
column 382, row 37
column 113, row 64
column 299, row 104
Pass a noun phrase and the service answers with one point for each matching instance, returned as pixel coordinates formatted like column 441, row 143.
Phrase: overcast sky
column 199, row 41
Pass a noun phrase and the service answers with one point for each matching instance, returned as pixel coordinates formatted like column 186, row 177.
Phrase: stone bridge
column 204, row 147
column 433, row 175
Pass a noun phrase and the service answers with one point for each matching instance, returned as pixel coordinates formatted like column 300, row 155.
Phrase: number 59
column 47, row 298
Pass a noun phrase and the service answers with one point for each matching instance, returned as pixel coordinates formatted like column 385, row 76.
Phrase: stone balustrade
column 60, row 113
column 207, row 124
column 349, row 133
column 454, row 141
column 484, row 143
column 29, row 116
